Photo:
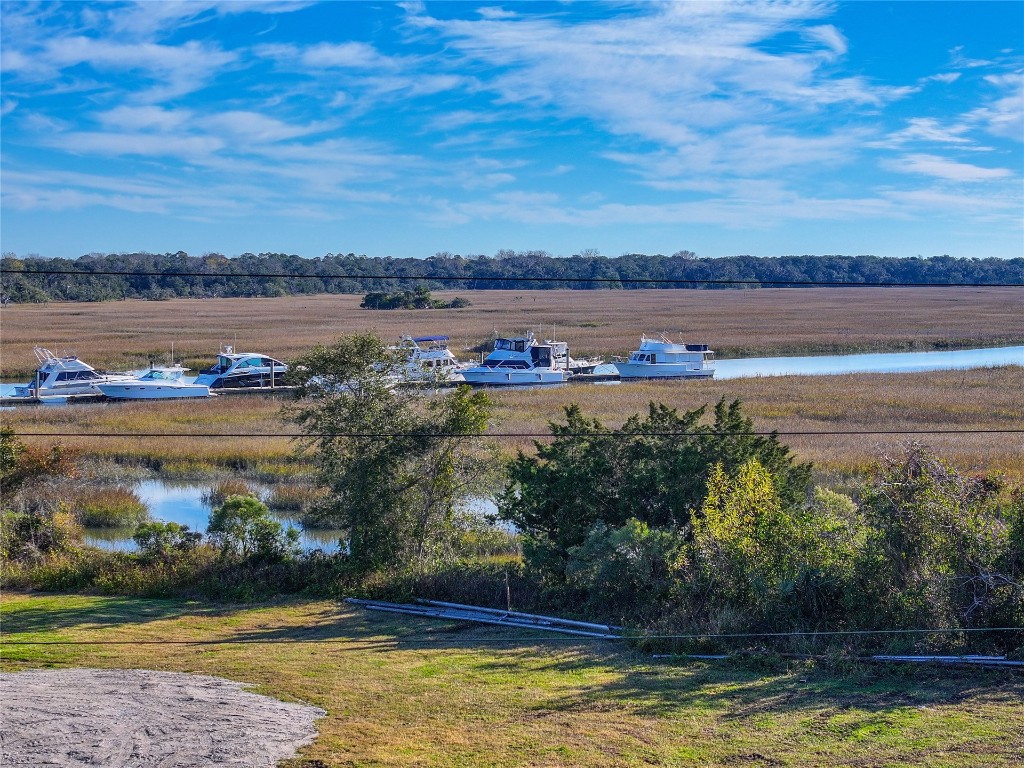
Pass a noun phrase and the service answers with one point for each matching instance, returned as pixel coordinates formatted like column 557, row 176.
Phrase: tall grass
column 116, row 507
column 941, row 400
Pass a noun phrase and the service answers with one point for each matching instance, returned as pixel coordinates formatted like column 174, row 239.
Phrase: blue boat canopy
column 418, row 339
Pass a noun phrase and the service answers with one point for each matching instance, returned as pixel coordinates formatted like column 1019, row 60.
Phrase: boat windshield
column 156, row 375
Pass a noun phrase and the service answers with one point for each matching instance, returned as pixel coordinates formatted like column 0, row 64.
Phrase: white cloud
column 942, row 168
column 145, row 118
column 351, row 54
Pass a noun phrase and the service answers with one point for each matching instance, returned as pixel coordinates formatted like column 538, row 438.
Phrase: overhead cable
column 509, row 435
column 511, row 279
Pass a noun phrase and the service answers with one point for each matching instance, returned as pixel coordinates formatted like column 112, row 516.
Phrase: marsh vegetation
column 763, row 322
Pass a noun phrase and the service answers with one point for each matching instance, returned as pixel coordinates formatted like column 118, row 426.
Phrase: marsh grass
column 294, row 497
column 110, row 507
column 225, row 488
column 982, row 398
column 769, row 321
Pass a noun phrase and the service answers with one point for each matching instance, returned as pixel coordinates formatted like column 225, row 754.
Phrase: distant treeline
column 214, row 275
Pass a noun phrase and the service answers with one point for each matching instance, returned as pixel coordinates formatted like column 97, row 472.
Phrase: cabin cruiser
column 664, row 359
column 62, row 376
column 158, row 383
column 242, row 369
column 428, row 359
column 522, row 360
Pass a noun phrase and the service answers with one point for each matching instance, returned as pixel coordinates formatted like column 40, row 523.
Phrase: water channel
column 183, row 502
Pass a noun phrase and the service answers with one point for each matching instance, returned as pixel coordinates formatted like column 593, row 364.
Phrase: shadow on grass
column 605, row 675
column 62, row 612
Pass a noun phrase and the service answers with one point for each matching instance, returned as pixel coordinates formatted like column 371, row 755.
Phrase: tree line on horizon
column 179, row 275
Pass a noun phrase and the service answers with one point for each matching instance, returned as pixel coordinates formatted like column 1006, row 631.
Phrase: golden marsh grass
column 737, row 323
column 940, row 400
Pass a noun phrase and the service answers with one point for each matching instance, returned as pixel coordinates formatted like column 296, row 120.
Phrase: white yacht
column 242, row 369
column 664, row 359
column 158, row 383
column 522, row 360
column 428, row 359
column 63, row 376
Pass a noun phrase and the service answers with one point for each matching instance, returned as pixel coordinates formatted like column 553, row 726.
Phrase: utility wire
column 527, row 638
column 501, row 278
column 509, row 435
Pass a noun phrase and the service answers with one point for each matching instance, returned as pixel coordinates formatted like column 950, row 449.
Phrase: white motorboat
column 242, row 369
column 158, row 383
column 428, row 359
column 664, row 359
column 63, row 376
column 521, row 361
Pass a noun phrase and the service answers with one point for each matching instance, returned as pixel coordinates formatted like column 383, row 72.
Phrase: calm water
column 881, row 362
column 183, row 503
column 826, row 365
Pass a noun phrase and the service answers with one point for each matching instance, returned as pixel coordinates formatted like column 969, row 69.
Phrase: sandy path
column 124, row 718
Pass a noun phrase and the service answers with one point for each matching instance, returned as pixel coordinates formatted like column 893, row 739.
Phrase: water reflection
column 881, row 362
column 183, row 503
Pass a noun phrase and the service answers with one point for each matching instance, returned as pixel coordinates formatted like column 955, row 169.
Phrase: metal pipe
column 499, row 611
column 462, row 616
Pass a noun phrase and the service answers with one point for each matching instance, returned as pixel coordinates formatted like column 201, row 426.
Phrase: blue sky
column 405, row 129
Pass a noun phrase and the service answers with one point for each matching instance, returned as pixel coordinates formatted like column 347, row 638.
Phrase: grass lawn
column 400, row 691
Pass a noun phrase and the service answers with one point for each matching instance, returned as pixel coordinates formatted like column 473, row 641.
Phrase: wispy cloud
column 943, row 168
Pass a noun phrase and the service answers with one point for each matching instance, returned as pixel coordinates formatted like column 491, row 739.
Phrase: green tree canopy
column 654, row 469
column 397, row 464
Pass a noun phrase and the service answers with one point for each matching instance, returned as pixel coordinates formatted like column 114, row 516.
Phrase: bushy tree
column 397, row 465
column 242, row 527
column 654, row 469
column 627, row 573
column 37, row 519
column 940, row 547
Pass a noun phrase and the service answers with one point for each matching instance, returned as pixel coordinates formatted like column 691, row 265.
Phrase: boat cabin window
column 520, row 346
column 77, row 376
column 269, row 362
column 223, row 363
column 502, row 344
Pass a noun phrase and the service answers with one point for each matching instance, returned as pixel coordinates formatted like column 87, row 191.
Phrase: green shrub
column 36, row 533
column 242, row 527
column 626, row 573
column 163, row 541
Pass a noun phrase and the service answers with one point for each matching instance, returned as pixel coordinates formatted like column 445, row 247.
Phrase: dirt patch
column 125, row 718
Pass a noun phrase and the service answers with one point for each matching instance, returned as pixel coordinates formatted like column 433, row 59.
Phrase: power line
column 510, row 435
column 528, row 638
column 504, row 278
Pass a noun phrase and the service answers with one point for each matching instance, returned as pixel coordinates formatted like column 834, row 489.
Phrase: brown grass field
column 120, row 335
column 737, row 323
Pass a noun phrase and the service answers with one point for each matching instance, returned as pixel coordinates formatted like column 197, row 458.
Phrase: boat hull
column 659, row 371
column 136, row 391
column 506, row 378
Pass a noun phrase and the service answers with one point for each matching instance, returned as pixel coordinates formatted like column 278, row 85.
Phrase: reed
column 225, row 488
column 293, row 497
column 987, row 398
column 770, row 321
column 116, row 507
